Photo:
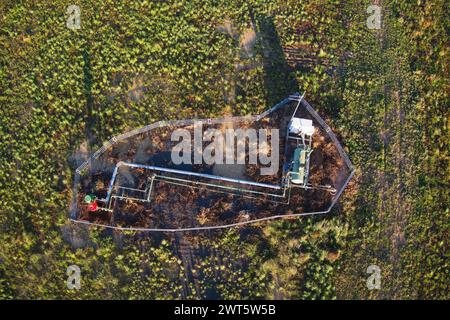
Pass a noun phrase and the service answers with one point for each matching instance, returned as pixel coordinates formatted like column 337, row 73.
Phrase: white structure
column 301, row 126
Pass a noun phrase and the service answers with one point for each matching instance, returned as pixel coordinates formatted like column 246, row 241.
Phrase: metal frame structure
column 284, row 188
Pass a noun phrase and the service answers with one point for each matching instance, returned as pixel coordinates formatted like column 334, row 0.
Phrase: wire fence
column 116, row 139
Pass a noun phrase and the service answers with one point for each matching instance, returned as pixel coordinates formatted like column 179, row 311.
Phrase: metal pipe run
column 201, row 175
column 226, row 190
column 188, row 173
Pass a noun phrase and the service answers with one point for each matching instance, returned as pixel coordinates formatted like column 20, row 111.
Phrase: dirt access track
column 139, row 187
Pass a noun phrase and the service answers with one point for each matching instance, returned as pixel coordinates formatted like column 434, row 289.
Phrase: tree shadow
column 279, row 77
column 91, row 120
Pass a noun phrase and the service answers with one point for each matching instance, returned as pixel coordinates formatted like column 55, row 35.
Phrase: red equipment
column 93, row 206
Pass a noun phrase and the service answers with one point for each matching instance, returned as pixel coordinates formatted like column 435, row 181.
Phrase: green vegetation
column 63, row 92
